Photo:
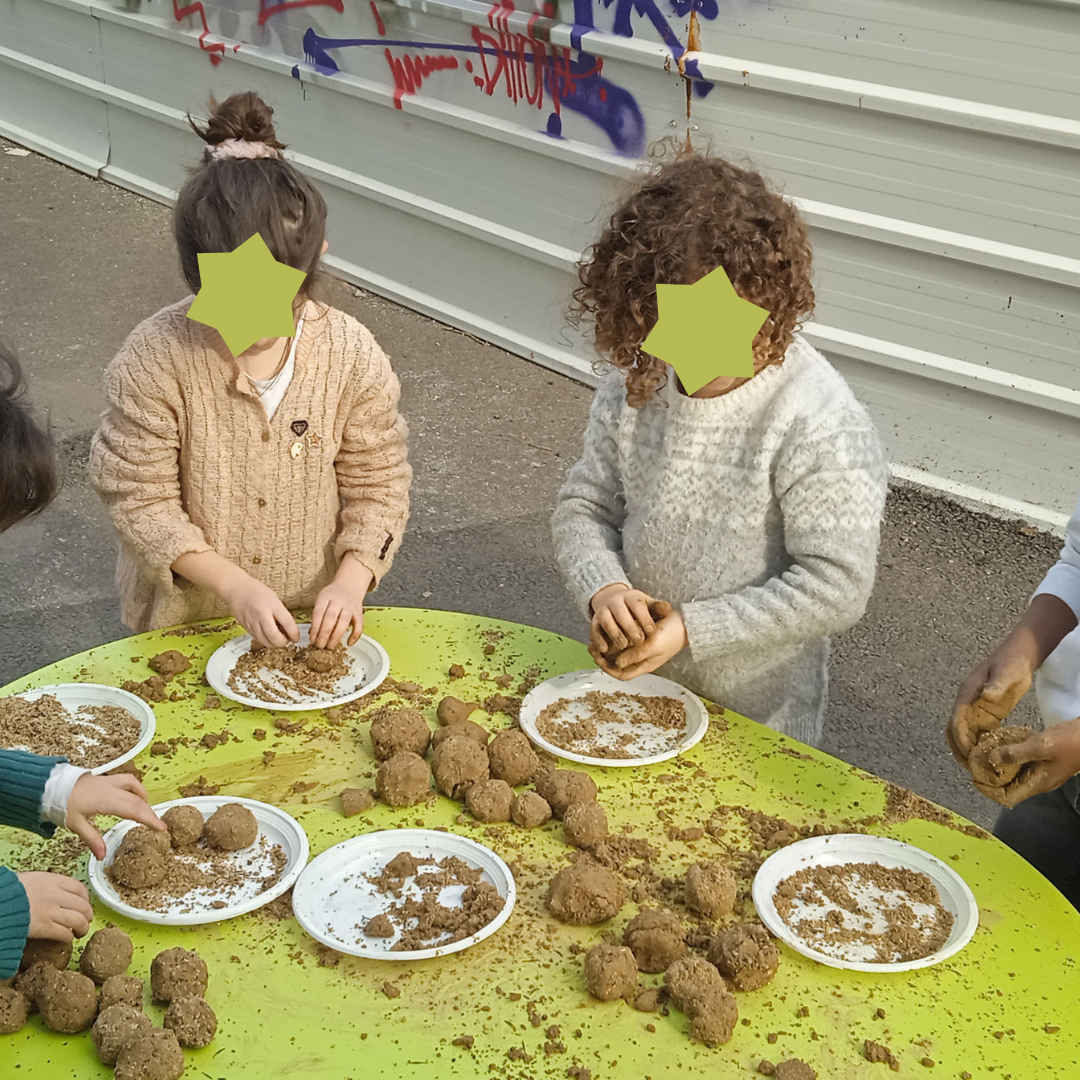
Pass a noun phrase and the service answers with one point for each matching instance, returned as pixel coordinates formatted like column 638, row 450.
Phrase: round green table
column 288, row 1008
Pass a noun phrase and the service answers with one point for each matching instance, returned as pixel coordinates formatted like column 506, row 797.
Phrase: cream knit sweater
column 186, row 461
column 756, row 514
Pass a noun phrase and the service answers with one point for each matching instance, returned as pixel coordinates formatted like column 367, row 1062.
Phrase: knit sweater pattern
column 756, row 514
column 186, row 461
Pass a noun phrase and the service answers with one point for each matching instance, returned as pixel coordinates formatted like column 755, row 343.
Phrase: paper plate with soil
column 404, row 894
column 594, row 719
column 201, row 871
column 865, row 903
column 296, row 677
column 95, row 727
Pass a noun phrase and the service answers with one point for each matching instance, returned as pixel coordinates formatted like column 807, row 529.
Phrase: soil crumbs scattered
column 88, row 736
column 617, row 725
column 290, row 673
column 865, row 911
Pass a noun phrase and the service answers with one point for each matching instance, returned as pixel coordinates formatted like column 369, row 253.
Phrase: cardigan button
column 256, row 559
column 262, row 502
column 266, row 436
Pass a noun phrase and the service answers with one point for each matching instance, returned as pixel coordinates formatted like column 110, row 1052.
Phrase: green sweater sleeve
column 22, row 785
column 14, row 922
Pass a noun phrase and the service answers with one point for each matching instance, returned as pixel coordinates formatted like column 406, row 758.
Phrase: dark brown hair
column 683, row 220
column 225, row 201
column 27, row 462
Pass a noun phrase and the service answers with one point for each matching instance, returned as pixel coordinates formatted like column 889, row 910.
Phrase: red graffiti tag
column 272, row 7
column 410, row 71
column 378, row 19
column 217, row 49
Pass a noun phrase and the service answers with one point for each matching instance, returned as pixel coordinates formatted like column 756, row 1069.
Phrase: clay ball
column 529, row 810
column 453, row 711
column 794, row 1069
column 585, row 893
column 562, row 787
column 185, row 825
column 512, row 758
column 745, row 955
column 982, row 772
column 117, row 1026
column 403, row 780
column 107, row 953
column 68, row 1002
column 457, row 764
column 32, row 981
column 322, row 660
column 56, row 954
column 138, row 867
column 398, row 731
column 465, row 728
column 192, row 1021
column 692, row 979
column 144, row 836
column 177, row 973
column 610, row 972
column 231, row 827
column 14, row 1009
column 156, row 1056
column 712, row 1018
column 584, row 824
column 656, row 938
column 122, row 990
column 710, row 889
column 490, row 800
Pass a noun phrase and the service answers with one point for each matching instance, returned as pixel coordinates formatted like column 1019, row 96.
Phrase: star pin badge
column 705, row 331
column 246, row 294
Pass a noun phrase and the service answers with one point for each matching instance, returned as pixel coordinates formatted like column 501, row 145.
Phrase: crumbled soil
column 89, row 736
column 595, row 724
column 289, row 673
column 879, row 1054
column 979, row 765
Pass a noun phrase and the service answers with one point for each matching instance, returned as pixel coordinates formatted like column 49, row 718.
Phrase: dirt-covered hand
column 258, row 610
column 620, row 618
column 341, row 605
column 1050, row 757
column 667, row 640
column 118, row 796
column 59, row 906
column 986, row 697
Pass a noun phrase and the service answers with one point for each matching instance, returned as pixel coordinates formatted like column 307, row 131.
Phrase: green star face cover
column 705, row 331
column 246, row 294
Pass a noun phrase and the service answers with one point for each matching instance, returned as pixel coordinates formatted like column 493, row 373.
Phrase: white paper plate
column 576, row 684
column 274, row 824
column 371, row 665
column 956, row 897
column 333, row 895
column 76, row 696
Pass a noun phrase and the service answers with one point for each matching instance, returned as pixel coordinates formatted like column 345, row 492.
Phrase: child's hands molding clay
column 118, row 796
column 661, row 636
column 987, row 696
column 1050, row 757
column 59, row 906
column 620, row 618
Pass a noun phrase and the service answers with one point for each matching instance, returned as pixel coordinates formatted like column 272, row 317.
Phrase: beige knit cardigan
column 186, row 461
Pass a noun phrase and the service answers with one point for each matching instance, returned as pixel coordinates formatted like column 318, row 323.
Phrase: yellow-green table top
column 281, row 1014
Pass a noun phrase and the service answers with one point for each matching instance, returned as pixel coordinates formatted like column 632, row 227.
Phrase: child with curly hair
column 753, row 506
column 261, row 483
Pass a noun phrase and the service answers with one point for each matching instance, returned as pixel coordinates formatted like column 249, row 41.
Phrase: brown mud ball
column 169, row 663
column 14, row 1009
column 185, row 825
column 56, row 954
column 584, row 824
column 177, row 973
column 399, row 731
column 656, row 938
column 453, row 711
column 356, row 801
column 794, row 1069
column 611, row 972
column 464, row 728
column 143, row 836
column 156, row 1056
column 107, row 953
column 710, row 889
column 122, row 990
column 403, row 780
column 32, row 981
column 529, row 810
column 490, row 800
column 713, row 1018
column 138, row 867
column 68, row 1002
column 745, row 955
column 585, row 893
column 192, row 1021
column 982, row 771
column 561, row 787
column 231, row 827
column 697, row 989
column 692, row 979
column 512, row 758
column 117, row 1026
column 323, row 660
column 457, row 764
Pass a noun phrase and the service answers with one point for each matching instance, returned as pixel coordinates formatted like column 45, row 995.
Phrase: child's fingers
column 611, row 628
column 270, row 633
column 341, row 624
column 597, row 638
column 357, row 628
column 129, row 783
column 1038, row 748
column 627, row 623
column 639, row 609
column 88, row 833
column 284, row 619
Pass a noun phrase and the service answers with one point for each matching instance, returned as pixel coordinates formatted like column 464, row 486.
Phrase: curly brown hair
column 683, row 220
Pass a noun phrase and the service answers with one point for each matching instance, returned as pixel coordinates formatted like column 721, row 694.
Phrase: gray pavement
column 82, row 262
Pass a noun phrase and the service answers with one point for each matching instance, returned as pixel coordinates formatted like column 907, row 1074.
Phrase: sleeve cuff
column 586, row 579
column 58, row 788
column 709, row 627
column 14, row 922
column 22, row 780
column 1062, row 581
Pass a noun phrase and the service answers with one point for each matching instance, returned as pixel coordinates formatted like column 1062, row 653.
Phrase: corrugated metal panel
column 466, row 151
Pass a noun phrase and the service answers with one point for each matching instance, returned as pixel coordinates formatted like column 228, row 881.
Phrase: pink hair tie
column 241, row 148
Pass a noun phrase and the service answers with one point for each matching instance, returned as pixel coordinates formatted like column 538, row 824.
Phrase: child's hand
column 258, row 610
column 620, row 618
column 59, row 906
column 1054, row 756
column 118, row 796
column 667, row 639
column 341, row 604
column 986, row 697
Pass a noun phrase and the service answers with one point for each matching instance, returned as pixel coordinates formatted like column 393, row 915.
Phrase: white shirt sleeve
column 1063, row 579
column 58, row 788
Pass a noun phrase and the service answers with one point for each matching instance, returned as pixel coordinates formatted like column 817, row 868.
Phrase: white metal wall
column 466, row 151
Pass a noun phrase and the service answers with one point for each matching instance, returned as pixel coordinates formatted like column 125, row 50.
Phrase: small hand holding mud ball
column 14, row 1009
column 107, row 953
column 562, row 787
column 177, row 973
column 122, row 990
column 231, row 827
column 185, row 824
column 585, row 893
column 115, row 1028
column 156, row 1056
column 611, row 972
column 403, row 780
column 457, row 764
column 710, row 889
column 68, row 1002
column 982, row 771
column 192, row 1021
column 398, row 731
column 656, row 938
column 512, row 758
column 745, row 955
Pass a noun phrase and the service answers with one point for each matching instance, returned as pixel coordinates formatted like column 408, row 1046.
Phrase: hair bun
column 245, row 117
